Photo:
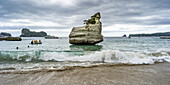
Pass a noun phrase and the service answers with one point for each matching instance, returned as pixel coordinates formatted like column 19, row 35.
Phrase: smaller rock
column 4, row 34
column 11, row 39
column 124, row 35
column 168, row 37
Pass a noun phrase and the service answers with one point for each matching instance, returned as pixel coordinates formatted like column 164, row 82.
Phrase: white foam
column 95, row 58
column 104, row 56
column 110, row 56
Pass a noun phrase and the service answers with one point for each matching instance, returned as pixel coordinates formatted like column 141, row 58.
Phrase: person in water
column 36, row 41
column 39, row 41
column 32, row 42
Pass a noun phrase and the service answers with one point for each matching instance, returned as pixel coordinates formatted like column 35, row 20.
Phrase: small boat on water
column 36, row 42
column 50, row 37
column 168, row 37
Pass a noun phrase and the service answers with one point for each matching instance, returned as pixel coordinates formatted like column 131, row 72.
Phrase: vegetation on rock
column 90, row 21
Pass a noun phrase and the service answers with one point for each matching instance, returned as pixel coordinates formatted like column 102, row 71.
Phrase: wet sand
column 157, row 74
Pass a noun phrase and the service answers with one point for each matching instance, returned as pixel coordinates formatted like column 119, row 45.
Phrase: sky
column 58, row 17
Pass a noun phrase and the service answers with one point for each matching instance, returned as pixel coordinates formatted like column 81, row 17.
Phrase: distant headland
column 27, row 33
column 150, row 35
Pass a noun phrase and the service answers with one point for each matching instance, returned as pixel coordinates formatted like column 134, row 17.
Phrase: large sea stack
column 90, row 34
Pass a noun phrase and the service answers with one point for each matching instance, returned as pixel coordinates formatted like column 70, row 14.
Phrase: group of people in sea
column 33, row 42
column 36, row 42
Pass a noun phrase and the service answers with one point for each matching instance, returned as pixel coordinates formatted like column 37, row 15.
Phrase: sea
column 59, row 54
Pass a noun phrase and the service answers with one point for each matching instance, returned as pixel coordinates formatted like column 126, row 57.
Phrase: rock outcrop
column 89, row 34
column 27, row 33
column 8, row 37
column 4, row 34
column 11, row 39
column 124, row 35
column 168, row 37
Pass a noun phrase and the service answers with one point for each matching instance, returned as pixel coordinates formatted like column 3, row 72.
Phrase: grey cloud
column 112, row 11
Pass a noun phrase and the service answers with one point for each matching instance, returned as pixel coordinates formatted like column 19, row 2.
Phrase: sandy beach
column 157, row 74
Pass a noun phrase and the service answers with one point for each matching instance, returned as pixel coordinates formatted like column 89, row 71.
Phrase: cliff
column 27, row 33
column 89, row 34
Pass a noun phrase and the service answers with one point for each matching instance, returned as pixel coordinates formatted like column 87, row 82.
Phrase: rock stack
column 27, row 33
column 90, row 34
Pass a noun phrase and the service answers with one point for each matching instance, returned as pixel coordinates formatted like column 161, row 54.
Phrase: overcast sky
column 58, row 17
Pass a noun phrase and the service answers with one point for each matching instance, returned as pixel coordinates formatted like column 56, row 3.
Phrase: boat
column 36, row 42
column 50, row 37
column 168, row 37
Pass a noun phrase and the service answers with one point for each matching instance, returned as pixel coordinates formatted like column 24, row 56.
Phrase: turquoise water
column 58, row 53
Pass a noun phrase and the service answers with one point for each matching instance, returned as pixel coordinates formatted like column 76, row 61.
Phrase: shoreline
column 156, row 74
column 11, row 70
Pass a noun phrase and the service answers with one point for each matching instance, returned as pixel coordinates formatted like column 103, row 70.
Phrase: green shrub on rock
column 92, row 21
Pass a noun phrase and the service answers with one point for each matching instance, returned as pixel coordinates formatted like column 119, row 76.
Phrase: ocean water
column 58, row 54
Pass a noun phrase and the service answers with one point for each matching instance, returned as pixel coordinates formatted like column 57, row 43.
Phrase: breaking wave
column 104, row 56
column 45, row 60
